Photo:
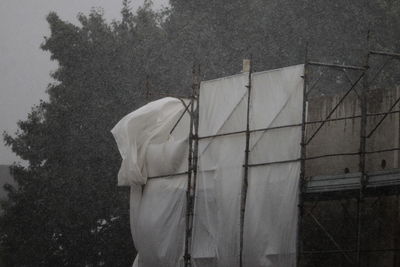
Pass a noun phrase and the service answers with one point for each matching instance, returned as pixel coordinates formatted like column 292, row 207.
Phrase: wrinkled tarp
column 158, row 213
column 148, row 149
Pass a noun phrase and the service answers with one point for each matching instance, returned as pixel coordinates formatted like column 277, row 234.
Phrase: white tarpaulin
column 148, row 149
column 158, row 213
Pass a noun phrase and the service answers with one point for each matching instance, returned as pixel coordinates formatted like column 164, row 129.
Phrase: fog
column 24, row 67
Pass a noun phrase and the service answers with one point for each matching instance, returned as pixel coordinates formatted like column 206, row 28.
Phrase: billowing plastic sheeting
column 216, row 227
column 149, row 149
column 146, row 127
column 270, row 224
column 271, row 209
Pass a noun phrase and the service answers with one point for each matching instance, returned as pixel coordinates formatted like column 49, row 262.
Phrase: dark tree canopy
column 67, row 210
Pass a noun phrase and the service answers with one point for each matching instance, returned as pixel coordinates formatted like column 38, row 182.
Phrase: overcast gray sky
column 24, row 68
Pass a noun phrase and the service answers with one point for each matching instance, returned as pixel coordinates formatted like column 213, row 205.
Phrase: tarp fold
column 149, row 149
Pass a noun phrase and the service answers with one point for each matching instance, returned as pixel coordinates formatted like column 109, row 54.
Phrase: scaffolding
column 353, row 188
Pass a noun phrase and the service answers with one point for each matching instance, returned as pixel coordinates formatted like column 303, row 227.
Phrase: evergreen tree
column 67, row 210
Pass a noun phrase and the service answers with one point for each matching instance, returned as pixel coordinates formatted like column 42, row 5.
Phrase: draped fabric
column 149, row 149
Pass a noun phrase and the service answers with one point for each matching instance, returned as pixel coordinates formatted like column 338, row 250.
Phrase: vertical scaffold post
column 246, row 167
column 362, row 158
column 303, row 155
column 196, row 135
column 192, row 165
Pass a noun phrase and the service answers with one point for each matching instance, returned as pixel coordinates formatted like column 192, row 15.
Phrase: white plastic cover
column 270, row 226
column 158, row 215
column 143, row 130
column 148, row 149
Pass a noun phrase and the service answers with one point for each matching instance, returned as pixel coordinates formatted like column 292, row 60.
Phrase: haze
column 24, row 67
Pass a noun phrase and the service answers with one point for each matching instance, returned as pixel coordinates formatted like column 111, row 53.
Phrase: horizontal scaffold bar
column 383, row 53
column 353, row 153
column 251, row 131
column 387, row 180
column 291, row 160
column 167, row 175
column 323, row 156
column 272, row 162
column 336, row 66
column 298, row 124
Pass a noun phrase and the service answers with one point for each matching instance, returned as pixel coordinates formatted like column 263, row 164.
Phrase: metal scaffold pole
column 362, row 157
column 356, row 187
column 192, row 165
column 246, row 166
column 303, row 155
